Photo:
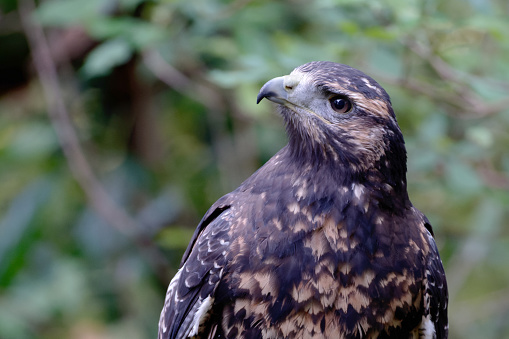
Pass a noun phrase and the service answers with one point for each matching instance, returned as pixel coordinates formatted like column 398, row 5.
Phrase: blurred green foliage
column 162, row 97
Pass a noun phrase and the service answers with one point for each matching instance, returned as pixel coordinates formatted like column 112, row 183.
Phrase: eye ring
column 340, row 104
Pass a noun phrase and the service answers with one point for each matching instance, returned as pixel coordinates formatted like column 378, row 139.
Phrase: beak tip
column 273, row 90
column 259, row 98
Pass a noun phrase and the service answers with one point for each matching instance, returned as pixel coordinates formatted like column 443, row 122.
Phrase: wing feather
column 435, row 293
column 191, row 292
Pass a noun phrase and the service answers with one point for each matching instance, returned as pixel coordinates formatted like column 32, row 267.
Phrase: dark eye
column 340, row 104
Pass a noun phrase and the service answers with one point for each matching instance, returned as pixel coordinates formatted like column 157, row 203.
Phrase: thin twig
column 467, row 99
column 440, row 66
column 180, row 82
column 465, row 109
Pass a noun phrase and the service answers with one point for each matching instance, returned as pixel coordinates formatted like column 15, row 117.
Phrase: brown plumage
column 322, row 241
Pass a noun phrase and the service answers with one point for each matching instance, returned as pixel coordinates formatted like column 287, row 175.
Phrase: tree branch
column 95, row 192
column 57, row 111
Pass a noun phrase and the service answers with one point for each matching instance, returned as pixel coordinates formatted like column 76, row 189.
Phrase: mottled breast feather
column 322, row 241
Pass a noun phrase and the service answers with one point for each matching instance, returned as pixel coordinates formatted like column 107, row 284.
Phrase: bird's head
column 337, row 114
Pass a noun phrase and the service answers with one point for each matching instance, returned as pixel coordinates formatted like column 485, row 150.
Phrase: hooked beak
column 273, row 90
column 277, row 89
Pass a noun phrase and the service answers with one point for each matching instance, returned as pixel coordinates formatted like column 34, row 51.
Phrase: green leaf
column 176, row 237
column 33, row 141
column 106, row 56
column 349, row 27
column 380, row 33
column 62, row 13
column 136, row 32
column 481, row 135
column 15, row 225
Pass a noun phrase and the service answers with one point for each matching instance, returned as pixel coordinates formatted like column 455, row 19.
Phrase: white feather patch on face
column 200, row 316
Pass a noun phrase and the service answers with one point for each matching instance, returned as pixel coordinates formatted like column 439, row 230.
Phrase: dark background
column 122, row 121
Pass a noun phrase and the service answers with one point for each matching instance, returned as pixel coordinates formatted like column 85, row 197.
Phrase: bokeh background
column 122, row 121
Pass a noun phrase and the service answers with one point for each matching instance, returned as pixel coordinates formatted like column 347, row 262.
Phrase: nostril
column 291, row 82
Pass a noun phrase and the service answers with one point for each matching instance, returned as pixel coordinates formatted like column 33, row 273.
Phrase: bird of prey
column 322, row 241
